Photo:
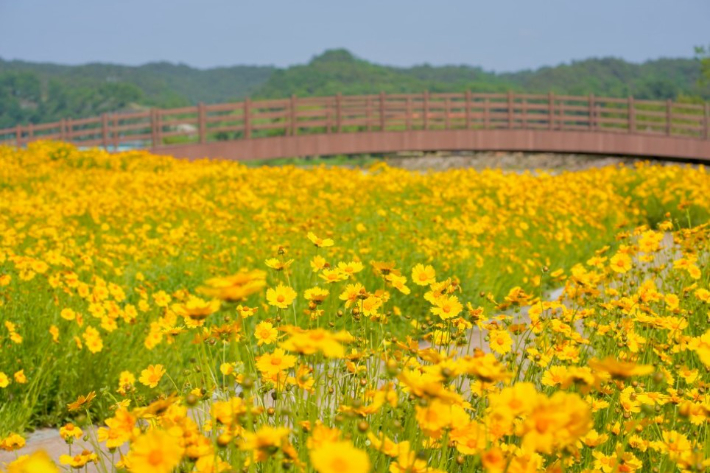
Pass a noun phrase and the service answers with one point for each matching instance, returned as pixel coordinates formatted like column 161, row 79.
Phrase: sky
column 499, row 35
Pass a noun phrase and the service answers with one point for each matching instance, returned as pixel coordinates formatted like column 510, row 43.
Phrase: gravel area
column 441, row 160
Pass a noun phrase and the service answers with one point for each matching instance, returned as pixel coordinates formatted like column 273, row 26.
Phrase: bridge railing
column 248, row 119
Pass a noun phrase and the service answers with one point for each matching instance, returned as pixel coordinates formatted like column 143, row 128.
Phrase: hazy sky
column 502, row 35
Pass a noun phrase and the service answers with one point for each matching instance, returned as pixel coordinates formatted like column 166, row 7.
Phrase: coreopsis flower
column 227, row 412
column 126, row 380
column 12, row 442
column 236, row 287
column 339, row 457
column 67, row 314
column 333, row 275
column 316, row 295
column 265, row 333
column 619, row 369
column 80, row 460
column 119, row 429
column 318, row 263
column 423, row 275
column 447, row 307
column 398, row 282
column 265, row 441
column 308, row 342
column 246, row 312
column 620, row 263
column 20, row 377
column 486, row 368
column 320, row 242
column 271, row 364
column 162, row 299
column 92, row 339
column 352, row 293
column 70, row 432
column 554, row 423
column 4, row 380
column 156, row 451
column 196, row 309
column 500, row 341
column 702, row 348
column 152, row 375
column 81, row 401
column 281, row 296
column 36, row 462
column 277, row 264
column 351, row 268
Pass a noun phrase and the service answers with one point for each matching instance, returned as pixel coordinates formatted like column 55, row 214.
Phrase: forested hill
column 41, row 92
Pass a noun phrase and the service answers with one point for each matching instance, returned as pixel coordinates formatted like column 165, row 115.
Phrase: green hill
column 41, row 92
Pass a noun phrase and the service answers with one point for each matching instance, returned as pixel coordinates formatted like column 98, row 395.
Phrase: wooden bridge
column 395, row 122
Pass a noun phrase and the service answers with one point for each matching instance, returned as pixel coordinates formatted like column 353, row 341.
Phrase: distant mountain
column 41, row 92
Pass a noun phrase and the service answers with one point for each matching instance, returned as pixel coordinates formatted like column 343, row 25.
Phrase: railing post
column 468, row 109
column 426, row 110
column 115, row 132
column 30, row 132
column 68, row 130
column 632, row 115
column 202, row 122
column 62, row 130
column 153, row 128
column 104, row 130
column 447, row 111
column 408, row 118
column 591, row 112
column 382, row 111
column 669, row 116
column 247, row 118
column 486, row 114
column 293, row 118
column 551, row 110
column 327, row 114
column 510, row 110
column 338, row 113
column 18, row 135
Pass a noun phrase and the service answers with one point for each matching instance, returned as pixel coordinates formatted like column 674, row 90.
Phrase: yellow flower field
column 206, row 316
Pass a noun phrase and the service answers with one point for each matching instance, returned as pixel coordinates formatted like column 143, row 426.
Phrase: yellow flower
column 316, row 295
column 703, row 348
column 271, row 364
column 447, row 307
column 265, row 333
column 155, row 452
column 619, row 369
column 236, row 287
column 339, row 457
column 12, row 442
column 151, row 375
column 277, row 264
column 78, row 461
column 620, row 263
column 281, row 296
column 320, row 242
column 4, row 380
column 70, row 432
column 20, row 377
column 37, row 462
column 67, row 314
column 500, row 341
column 126, row 380
column 81, row 400
column 423, row 275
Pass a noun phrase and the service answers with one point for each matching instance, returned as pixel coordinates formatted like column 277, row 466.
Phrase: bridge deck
column 396, row 122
